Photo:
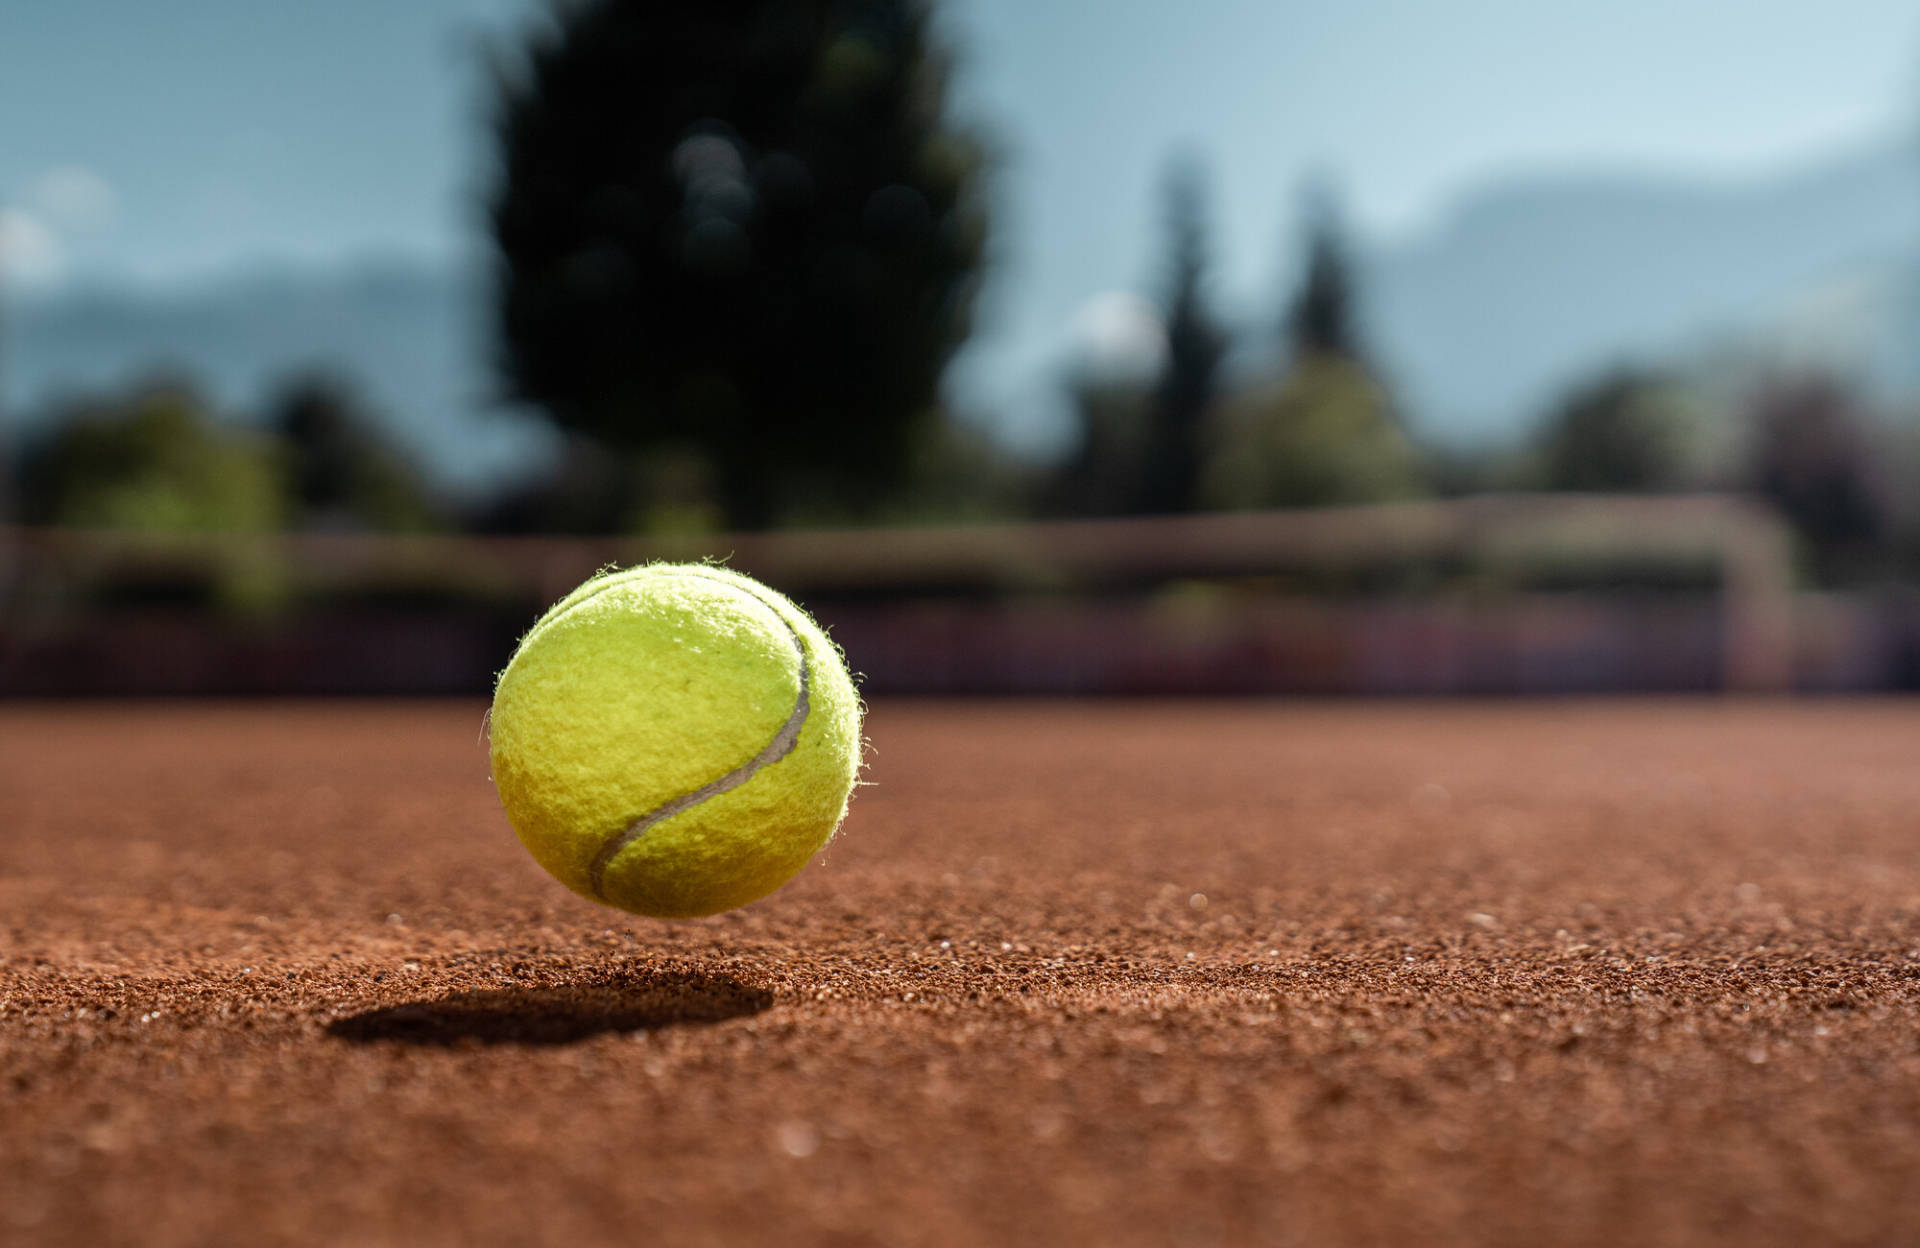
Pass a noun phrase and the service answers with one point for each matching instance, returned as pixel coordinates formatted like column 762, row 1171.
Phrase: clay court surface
column 1095, row 973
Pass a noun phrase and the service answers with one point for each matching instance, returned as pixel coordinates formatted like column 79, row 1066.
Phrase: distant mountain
column 1529, row 284
column 1523, row 288
column 409, row 335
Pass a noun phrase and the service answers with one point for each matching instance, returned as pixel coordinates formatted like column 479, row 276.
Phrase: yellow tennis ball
column 675, row 740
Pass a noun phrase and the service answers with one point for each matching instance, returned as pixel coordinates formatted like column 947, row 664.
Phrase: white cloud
column 30, row 253
column 74, row 200
column 1118, row 335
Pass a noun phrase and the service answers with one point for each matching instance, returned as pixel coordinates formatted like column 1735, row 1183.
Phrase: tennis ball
column 675, row 740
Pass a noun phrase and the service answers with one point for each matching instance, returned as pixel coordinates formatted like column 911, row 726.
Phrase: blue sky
column 166, row 142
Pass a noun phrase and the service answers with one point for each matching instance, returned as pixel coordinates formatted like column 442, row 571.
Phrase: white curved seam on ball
column 782, row 745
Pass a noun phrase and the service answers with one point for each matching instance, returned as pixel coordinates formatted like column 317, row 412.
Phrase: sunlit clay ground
column 1096, row 973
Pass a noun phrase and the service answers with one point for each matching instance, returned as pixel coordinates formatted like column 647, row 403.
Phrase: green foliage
column 1626, row 432
column 1102, row 478
column 593, row 488
column 745, row 229
column 153, row 461
column 342, row 471
column 1323, row 435
column 1814, row 458
column 590, row 488
column 959, row 473
column 1454, row 471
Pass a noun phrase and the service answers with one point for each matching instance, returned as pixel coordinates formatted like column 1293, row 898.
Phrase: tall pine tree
column 1188, row 386
column 1320, row 322
column 1323, row 433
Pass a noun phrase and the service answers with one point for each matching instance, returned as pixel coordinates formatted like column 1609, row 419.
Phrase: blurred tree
column 342, row 472
column 961, row 473
column 1321, row 319
column 1115, row 413
column 1486, row 467
column 1629, row 431
column 593, row 488
column 1169, row 473
column 746, row 228
column 1323, row 435
column 1813, row 458
column 587, row 489
column 151, row 460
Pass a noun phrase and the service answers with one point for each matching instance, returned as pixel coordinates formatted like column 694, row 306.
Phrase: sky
column 170, row 143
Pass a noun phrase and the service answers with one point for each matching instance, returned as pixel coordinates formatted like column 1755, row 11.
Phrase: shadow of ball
column 557, row 1015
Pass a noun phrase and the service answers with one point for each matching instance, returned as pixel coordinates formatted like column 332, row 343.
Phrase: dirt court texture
column 1073, row 973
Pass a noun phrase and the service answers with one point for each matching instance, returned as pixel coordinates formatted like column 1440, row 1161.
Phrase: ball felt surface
column 675, row 740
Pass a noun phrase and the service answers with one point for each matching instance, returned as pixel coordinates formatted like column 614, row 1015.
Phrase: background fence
column 1505, row 595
